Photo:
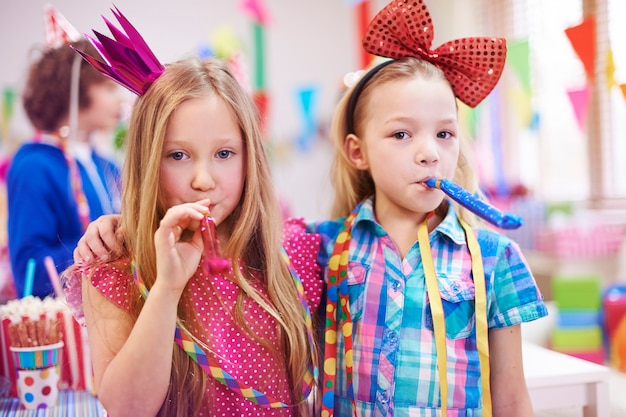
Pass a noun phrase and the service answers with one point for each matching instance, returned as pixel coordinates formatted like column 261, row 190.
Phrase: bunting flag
column 623, row 88
column 58, row 30
column 610, row 70
column 583, row 40
column 8, row 101
column 517, row 57
column 580, row 103
column 521, row 102
column 307, row 99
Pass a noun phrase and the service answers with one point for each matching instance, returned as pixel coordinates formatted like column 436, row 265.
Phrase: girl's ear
column 355, row 152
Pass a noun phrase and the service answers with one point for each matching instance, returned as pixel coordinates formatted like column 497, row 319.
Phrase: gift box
column 578, row 318
column 577, row 293
column 596, row 356
column 581, row 240
column 577, row 339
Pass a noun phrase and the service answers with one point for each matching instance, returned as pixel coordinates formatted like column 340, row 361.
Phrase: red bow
column 472, row 65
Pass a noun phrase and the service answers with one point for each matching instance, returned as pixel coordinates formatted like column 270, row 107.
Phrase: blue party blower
column 476, row 205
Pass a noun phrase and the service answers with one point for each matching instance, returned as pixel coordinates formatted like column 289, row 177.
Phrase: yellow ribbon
column 439, row 322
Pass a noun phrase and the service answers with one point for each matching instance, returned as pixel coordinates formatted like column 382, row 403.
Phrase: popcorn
column 32, row 321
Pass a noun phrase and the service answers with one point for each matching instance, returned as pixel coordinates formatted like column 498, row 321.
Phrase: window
column 551, row 153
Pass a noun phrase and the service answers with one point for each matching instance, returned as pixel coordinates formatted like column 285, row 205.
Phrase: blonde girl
column 194, row 150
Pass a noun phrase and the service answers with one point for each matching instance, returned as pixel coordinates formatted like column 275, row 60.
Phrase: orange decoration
column 583, row 40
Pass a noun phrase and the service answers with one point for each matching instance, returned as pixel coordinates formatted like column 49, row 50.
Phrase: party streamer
column 476, row 205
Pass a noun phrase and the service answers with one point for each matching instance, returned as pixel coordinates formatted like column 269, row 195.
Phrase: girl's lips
column 426, row 180
column 423, row 184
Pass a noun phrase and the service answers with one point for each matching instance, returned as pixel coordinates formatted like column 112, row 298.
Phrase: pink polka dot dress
column 252, row 362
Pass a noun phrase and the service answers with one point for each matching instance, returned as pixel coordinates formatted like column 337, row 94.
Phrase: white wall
column 307, row 42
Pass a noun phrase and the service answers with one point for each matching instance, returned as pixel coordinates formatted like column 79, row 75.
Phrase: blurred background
column 549, row 142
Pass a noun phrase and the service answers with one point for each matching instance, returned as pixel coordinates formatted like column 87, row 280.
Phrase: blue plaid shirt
column 394, row 356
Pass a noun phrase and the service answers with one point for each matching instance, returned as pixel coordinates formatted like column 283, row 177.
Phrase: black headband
column 356, row 92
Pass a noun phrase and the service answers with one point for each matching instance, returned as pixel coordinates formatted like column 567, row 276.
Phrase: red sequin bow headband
column 404, row 28
column 128, row 59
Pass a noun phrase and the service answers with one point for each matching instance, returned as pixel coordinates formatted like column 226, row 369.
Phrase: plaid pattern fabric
column 394, row 358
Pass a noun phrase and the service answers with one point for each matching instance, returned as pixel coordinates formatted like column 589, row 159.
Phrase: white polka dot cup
column 38, row 375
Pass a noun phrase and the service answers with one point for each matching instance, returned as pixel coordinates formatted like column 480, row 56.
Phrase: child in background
column 194, row 149
column 435, row 300
column 59, row 182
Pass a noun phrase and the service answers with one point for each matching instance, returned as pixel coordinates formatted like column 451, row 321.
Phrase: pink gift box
column 595, row 356
column 581, row 241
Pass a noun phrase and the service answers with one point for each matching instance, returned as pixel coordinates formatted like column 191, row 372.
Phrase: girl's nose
column 426, row 152
column 202, row 179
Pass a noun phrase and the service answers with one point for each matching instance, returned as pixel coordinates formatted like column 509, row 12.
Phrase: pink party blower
column 214, row 262
column 476, row 205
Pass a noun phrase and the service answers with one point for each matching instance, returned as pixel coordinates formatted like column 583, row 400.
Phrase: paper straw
column 72, row 352
column 54, row 277
column 30, row 278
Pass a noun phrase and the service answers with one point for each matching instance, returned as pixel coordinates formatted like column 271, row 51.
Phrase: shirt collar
column 449, row 227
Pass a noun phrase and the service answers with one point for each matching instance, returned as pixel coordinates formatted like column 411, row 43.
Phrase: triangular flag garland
column 610, row 70
column 517, row 57
column 583, row 40
column 580, row 103
column 307, row 98
column 623, row 88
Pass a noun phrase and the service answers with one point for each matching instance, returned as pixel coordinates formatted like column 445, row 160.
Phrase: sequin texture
column 405, row 29
column 213, row 299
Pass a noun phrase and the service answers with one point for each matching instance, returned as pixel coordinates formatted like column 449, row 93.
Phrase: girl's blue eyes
column 177, row 156
column 224, row 154
column 440, row 135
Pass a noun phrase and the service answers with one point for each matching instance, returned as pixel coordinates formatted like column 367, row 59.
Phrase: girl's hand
column 103, row 239
column 178, row 244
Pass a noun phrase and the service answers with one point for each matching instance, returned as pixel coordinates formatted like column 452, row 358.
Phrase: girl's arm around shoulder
column 509, row 394
column 303, row 249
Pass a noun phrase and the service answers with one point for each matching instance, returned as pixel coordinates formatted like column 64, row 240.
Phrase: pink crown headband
column 128, row 59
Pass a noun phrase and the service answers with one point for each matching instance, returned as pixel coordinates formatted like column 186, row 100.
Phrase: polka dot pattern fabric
column 404, row 28
column 240, row 352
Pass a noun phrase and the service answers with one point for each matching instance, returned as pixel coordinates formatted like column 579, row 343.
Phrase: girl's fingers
column 99, row 240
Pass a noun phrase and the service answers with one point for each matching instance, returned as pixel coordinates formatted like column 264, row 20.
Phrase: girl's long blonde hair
column 255, row 226
column 352, row 185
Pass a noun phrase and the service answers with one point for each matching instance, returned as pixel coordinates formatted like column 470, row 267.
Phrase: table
column 556, row 380
column 71, row 403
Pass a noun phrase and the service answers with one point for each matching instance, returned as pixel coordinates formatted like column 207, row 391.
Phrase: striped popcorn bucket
column 37, row 357
column 37, row 375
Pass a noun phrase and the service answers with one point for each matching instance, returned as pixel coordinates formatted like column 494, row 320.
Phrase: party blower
column 214, row 261
column 476, row 205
